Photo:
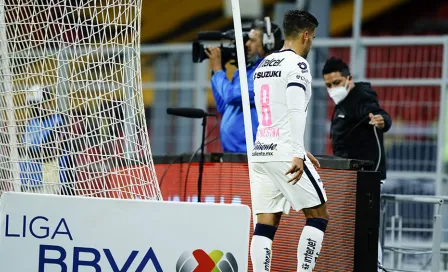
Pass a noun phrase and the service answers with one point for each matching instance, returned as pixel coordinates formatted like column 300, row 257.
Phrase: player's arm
column 313, row 159
column 296, row 104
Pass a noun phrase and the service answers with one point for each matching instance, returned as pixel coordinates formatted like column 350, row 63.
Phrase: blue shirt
column 228, row 100
column 37, row 133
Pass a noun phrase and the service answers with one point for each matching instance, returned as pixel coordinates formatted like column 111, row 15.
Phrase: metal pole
column 393, row 230
column 244, row 88
column 184, row 126
column 383, row 223
column 317, row 111
column 159, row 120
column 202, row 159
column 441, row 132
column 62, row 87
column 199, row 99
column 243, row 78
column 9, row 99
column 437, row 239
column 442, row 121
column 357, row 19
column 130, row 106
column 62, row 107
column 310, row 119
column 356, row 33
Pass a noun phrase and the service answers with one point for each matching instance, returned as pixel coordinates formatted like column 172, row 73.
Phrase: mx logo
column 200, row 261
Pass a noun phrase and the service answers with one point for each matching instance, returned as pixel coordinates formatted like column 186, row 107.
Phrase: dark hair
column 296, row 21
column 334, row 64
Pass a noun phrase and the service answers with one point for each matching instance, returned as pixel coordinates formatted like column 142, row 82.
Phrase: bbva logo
column 200, row 261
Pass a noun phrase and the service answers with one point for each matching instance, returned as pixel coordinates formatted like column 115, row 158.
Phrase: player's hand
column 296, row 169
column 313, row 160
column 376, row 120
column 214, row 55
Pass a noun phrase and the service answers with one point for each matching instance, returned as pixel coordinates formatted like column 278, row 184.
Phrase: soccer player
column 282, row 85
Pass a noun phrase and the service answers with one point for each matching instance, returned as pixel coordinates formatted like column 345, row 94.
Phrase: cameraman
column 264, row 38
column 46, row 164
column 358, row 122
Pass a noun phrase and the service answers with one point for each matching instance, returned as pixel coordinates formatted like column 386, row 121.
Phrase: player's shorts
column 271, row 192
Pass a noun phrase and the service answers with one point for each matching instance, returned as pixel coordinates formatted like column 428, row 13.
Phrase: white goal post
column 71, row 109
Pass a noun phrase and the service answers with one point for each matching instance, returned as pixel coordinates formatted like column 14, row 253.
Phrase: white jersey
column 282, row 85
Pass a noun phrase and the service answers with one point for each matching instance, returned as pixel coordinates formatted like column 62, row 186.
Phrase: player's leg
column 261, row 244
column 269, row 204
column 312, row 236
column 309, row 196
column 317, row 218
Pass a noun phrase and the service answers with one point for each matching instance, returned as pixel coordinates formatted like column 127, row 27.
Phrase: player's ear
column 305, row 36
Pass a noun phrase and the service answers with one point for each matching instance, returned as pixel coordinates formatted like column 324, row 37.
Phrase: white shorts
column 271, row 192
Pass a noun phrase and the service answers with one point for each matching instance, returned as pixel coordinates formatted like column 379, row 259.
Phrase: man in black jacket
column 358, row 122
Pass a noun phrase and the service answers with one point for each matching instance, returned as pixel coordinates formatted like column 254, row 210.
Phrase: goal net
column 71, row 108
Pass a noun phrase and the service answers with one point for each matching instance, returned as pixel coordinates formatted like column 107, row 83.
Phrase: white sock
column 261, row 253
column 309, row 248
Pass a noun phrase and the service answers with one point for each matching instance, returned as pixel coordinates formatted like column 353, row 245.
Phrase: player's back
column 271, row 80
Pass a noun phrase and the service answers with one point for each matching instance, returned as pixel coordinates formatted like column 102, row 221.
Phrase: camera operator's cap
column 36, row 94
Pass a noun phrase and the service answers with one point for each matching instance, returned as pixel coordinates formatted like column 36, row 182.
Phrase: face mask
column 338, row 93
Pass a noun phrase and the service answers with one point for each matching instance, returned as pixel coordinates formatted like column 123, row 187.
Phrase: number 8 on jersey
column 265, row 108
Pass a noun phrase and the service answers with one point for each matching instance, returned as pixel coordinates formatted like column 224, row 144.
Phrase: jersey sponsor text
column 277, row 77
column 267, row 74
